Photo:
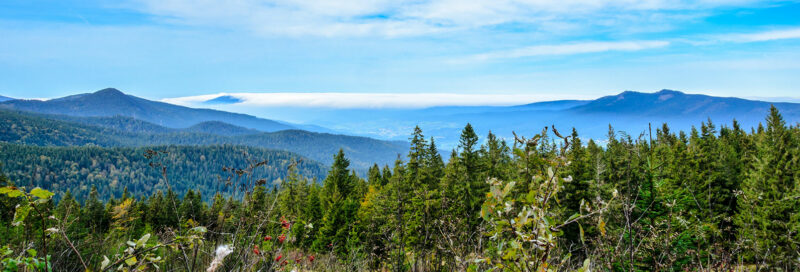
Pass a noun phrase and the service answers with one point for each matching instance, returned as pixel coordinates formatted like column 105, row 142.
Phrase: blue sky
column 522, row 49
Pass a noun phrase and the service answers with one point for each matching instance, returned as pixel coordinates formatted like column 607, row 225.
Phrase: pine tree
column 387, row 174
column 95, row 215
column 374, row 175
column 769, row 191
column 577, row 191
column 435, row 164
column 340, row 204
column 475, row 187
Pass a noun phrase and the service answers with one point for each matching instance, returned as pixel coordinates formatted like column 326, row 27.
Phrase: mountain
column 5, row 98
column 628, row 112
column 111, row 102
column 53, row 130
column 674, row 103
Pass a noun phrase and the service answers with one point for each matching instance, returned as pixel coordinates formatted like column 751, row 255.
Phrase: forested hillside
column 48, row 130
column 114, row 170
column 715, row 198
column 112, row 102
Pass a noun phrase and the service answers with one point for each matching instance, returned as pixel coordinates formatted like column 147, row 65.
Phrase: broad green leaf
column 574, row 216
column 31, row 252
column 200, row 229
column 508, row 188
column 21, row 214
column 485, row 212
column 11, row 191
column 143, row 241
column 41, row 193
column 131, row 261
column 105, row 262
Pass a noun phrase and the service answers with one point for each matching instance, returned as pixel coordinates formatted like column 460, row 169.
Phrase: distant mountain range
column 629, row 112
column 112, row 102
column 5, row 98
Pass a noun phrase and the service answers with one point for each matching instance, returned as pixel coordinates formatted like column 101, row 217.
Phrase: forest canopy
column 715, row 198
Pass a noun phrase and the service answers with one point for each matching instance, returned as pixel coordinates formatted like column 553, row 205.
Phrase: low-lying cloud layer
column 364, row 100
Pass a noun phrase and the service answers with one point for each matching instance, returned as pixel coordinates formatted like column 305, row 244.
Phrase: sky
column 398, row 53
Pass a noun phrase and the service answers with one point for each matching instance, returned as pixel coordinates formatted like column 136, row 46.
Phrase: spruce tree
column 768, row 191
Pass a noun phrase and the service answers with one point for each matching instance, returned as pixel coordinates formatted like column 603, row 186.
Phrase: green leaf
column 31, row 252
column 581, row 229
column 485, row 212
column 131, row 261
column 11, row 191
column 143, row 241
column 21, row 214
column 508, row 188
column 200, row 229
column 531, row 196
column 576, row 215
column 41, row 193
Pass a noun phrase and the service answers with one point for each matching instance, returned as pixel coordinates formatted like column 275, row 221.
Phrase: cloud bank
column 365, row 100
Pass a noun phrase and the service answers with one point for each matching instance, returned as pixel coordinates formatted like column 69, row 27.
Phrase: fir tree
column 769, row 192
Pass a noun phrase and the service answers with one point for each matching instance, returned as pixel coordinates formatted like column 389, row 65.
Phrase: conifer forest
column 720, row 197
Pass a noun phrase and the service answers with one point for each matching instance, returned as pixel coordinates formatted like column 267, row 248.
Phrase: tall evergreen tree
column 769, row 191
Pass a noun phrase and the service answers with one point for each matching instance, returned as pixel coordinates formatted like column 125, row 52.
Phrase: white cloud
column 414, row 17
column 370, row 100
column 571, row 49
column 782, row 34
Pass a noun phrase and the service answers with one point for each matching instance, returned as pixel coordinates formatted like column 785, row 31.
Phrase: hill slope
column 43, row 130
column 111, row 170
column 111, row 102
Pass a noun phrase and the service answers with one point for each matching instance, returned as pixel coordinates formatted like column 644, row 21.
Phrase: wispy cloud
column 771, row 35
column 369, row 100
column 570, row 49
column 413, row 17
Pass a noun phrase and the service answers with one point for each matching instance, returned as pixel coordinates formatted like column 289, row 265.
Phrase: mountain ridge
column 27, row 128
column 628, row 111
column 111, row 102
